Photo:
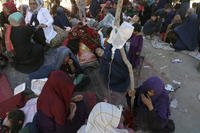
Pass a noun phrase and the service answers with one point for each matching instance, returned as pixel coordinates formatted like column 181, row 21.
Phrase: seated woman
column 13, row 122
column 187, row 32
column 8, row 8
column 119, row 75
column 28, row 56
column 39, row 16
column 57, row 111
column 105, row 118
column 152, row 26
column 170, row 34
column 152, row 107
column 136, row 44
column 60, row 19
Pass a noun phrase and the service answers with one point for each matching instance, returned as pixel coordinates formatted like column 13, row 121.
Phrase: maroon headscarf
column 160, row 100
column 55, row 98
column 11, row 7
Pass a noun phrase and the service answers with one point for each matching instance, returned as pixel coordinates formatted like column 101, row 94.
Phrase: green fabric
column 78, row 79
column 24, row 130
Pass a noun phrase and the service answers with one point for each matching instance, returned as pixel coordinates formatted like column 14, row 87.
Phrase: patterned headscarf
column 10, row 6
column 104, row 118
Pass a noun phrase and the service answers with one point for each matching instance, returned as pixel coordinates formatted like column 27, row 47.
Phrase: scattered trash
column 176, row 82
column 163, row 56
column 177, row 60
column 20, row 88
column 198, row 97
column 37, row 85
column 159, row 54
column 174, row 103
column 169, row 87
column 163, row 67
column 146, row 66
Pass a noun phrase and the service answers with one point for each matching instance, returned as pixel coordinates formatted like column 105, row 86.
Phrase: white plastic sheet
column 120, row 35
column 37, row 85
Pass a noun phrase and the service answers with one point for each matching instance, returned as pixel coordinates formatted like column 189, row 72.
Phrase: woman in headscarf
column 8, row 8
column 28, row 56
column 104, row 118
column 187, row 32
column 39, row 16
column 61, row 19
column 170, row 34
column 58, row 112
column 152, row 106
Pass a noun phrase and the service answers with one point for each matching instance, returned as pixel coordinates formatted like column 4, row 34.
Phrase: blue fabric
column 187, row 34
column 43, row 72
column 119, row 79
column 60, row 19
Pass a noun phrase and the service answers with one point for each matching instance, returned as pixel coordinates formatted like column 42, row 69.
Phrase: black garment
column 146, row 14
column 28, row 56
column 149, row 120
column 39, row 36
column 95, row 8
column 151, row 27
column 3, row 20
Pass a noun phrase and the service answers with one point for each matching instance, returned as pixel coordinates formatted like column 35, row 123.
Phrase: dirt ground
column 158, row 62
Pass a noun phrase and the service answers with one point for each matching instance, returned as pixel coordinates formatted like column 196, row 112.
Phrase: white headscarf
column 104, row 118
column 40, row 4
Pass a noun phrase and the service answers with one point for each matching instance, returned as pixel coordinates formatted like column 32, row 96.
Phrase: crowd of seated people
column 59, row 108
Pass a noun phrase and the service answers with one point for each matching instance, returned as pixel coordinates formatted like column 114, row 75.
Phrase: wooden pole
column 131, row 92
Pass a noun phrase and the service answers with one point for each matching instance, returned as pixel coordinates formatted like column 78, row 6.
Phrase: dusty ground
column 158, row 62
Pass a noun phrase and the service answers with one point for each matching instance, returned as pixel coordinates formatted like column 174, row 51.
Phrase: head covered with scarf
column 16, row 19
column 160, row 100
column 9, row 8
column 104, row 118
column 54, row 100
column 40, row 4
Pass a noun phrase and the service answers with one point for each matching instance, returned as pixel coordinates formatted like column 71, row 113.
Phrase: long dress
column 136, row 45
column 187, row 34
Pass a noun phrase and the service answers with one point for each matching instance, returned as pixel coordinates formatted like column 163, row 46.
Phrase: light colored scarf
column 104, row 118
column 40, row 4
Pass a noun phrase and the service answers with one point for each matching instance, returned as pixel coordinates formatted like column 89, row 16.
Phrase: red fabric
column 163, row 36
column 129, row 120
column 12, row 103
column 86, row 35
column 10, row 6
column 55, row 97
column 5, row 89
column 9, row 45
column 90, row 99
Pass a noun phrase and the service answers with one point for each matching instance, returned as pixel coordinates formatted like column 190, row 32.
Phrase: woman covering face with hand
column 152, row 106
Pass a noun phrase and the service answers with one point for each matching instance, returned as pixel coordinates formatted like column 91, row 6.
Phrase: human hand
column 131, row 92
column 77, row 98
column 147, row 101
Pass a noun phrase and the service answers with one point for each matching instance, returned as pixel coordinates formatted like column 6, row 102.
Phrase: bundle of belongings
column 89, row 41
